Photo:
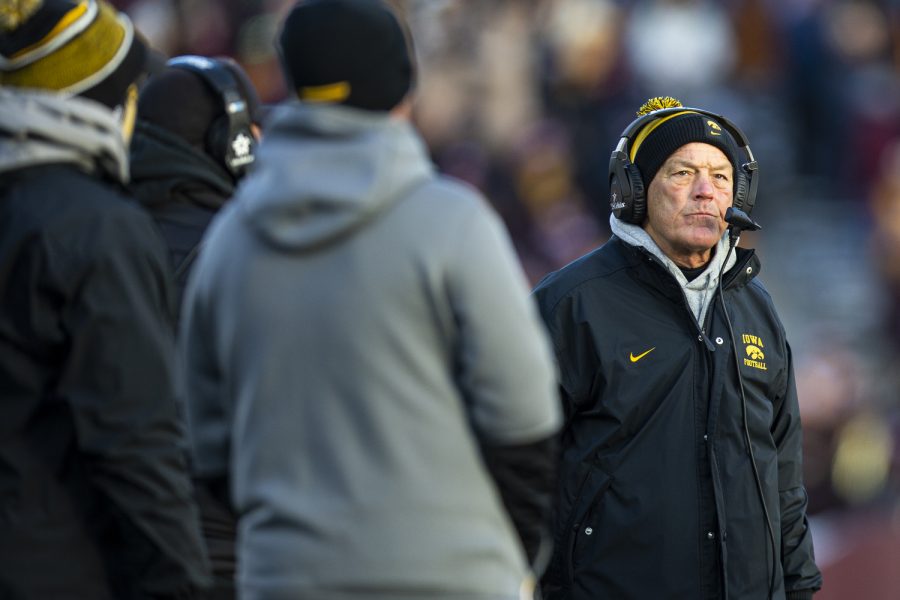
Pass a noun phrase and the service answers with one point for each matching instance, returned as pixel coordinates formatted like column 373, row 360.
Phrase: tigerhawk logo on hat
column 71, row 47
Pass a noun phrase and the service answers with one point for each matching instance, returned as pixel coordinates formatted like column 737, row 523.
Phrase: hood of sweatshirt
column 324, row 171
column 37, row 127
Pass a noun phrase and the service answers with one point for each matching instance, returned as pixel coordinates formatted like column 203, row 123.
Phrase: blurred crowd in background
column 525, row 99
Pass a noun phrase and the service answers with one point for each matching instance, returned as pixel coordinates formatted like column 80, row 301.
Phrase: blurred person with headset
column 681, row 468
column 198, row 124
column 94, row 487
column 363, row 362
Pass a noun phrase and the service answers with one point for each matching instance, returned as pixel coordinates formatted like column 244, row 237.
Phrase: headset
column 627, row 196
column 229, row 138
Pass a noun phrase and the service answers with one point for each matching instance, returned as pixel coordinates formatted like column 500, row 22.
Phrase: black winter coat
column 95, row 499
column 182, row 188
column 658, row 497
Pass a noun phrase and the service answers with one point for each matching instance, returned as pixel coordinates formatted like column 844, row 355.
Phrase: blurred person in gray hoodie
column 366, row 375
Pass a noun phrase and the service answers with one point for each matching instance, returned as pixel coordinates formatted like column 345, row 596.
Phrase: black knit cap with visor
column 350, row 52
column 657, row 140
column 72, row 47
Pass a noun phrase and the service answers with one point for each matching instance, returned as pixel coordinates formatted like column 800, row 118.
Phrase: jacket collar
column 744, row 270
column 647, row 268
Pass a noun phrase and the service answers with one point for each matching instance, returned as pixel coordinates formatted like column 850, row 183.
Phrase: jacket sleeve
column 798, row 560
column 117, row 380
column 202, row 380
column 525, row 477
column 506, row 375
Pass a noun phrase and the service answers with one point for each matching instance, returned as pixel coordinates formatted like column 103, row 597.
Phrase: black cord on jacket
column 734, row 234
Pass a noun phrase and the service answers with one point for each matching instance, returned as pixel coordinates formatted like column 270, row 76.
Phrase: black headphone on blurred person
column 627, row 196
column 229, row 138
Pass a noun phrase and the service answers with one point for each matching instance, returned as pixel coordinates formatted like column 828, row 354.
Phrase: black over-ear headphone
column 627, row 196
column 229, row 138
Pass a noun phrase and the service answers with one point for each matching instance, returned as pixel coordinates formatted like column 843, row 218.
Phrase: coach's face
column 686, row 203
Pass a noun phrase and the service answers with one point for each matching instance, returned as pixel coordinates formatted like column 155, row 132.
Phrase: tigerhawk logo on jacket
column 753, row 346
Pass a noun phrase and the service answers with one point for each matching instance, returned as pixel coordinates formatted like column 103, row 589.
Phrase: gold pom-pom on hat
column 658, row 103
column 15, row 12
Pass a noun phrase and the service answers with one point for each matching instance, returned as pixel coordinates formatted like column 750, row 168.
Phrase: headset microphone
column 740, row 221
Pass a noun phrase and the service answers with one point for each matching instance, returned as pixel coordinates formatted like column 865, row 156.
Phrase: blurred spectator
column 667, row 54
column 543, row 169
column 96, row 499
column 830, row 388
column 758, row 45
column 858, row 33
column 586, row 86
column 885, row 251
column 184, row 161
column 187, row 157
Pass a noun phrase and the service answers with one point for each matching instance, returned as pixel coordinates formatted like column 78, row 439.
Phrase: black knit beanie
column 656, row 142
column 351, row 52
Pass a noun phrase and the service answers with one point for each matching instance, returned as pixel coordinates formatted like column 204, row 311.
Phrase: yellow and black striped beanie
column 656, row 141
column 73, row 47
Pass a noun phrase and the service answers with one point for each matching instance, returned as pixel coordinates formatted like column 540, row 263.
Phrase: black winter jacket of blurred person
column 95, row 498
column 658, row 496
column 183, row 188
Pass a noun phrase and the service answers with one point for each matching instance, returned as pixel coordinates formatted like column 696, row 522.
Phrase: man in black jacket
column 95, row 495
column 681, row 468
column 183, row 170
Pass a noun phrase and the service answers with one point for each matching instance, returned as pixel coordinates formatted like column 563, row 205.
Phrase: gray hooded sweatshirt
column 355, row 325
